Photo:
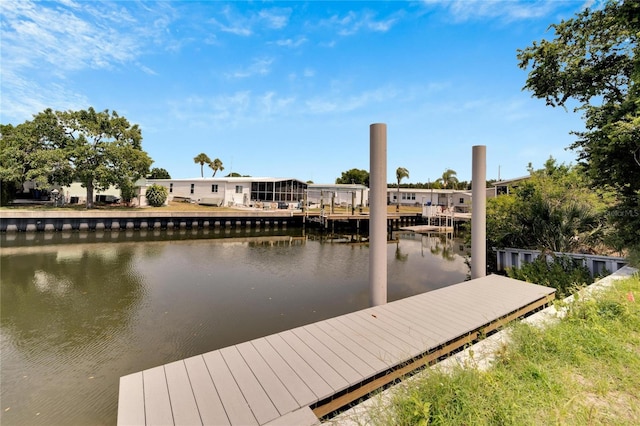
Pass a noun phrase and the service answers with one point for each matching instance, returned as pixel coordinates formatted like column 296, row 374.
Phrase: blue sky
column 289, row 89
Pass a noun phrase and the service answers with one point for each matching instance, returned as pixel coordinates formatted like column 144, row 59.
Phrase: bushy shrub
column 561, row 272
column 127, row 191
column 156, row 195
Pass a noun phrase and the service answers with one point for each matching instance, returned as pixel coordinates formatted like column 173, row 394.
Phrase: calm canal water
column 80, row 310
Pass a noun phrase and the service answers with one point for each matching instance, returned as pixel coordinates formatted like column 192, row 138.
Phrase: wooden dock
column 298, row 376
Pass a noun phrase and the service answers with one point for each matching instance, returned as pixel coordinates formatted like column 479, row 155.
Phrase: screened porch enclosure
column 290, row 190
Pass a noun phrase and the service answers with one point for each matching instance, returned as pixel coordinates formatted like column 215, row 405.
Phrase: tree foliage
column 401, row 173
column 449, row 179
column 202, row 159
column 354, row 176
column 156, row 195
column 560, row 272
column 593, row 60
column 159, row 173
column 98, row 149
column 555, row 209
column 127, row 190
column 216, row 165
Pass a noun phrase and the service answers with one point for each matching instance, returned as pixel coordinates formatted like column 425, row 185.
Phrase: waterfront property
column 235, row 191
column 338, row 194
column 299, row 375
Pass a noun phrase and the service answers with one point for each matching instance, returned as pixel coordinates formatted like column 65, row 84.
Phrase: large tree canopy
column 98, row 149
column 359, row 176
column 593, row 60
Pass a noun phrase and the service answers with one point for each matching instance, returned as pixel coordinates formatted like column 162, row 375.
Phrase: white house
column 234, row 191
column 340, row 194
column 458, row 199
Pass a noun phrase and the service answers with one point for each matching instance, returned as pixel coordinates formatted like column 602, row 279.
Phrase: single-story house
column 458, row 199
column 235, row 191
column 341, row 194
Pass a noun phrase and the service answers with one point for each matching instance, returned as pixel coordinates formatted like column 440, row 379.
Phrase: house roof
column 509, row 181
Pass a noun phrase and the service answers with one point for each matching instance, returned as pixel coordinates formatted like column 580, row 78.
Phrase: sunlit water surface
column 77, row 316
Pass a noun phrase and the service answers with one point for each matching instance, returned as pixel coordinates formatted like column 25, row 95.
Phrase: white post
column 479, row 212
column 378, row 219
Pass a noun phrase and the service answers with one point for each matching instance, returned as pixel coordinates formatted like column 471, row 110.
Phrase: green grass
column 584, row 370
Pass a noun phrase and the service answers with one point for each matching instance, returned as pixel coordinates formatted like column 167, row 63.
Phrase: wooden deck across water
column 296, row 376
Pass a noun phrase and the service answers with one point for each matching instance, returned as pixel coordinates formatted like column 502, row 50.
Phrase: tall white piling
column 378, row 214
column 479, row 212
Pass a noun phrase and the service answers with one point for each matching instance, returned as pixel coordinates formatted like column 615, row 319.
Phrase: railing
column 597, row 265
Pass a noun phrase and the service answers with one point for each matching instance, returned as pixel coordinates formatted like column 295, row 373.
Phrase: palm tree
column 448, row 178
column 203, row 159
column 215, row 166
column 401, row 173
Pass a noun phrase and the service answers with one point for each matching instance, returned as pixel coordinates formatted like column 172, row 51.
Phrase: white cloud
column 354, row 22
column 289, row 42
column 27, row 98
column 44, row 44
column 246, row 24
column 510, row 10
column 260, row 66
column 337, row 102
column 231, row 110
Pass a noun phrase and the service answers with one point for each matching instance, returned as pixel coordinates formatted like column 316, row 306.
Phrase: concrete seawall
column 39, row 221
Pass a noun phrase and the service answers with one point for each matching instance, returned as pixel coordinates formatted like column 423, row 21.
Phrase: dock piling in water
column 378, row 213
column 479, row 212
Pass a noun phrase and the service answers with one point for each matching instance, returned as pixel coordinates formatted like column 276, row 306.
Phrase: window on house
column 461, row 200
column 170, row 187
column 413, row 195
column 214, row 187
column 192, row 187
column 238, row 189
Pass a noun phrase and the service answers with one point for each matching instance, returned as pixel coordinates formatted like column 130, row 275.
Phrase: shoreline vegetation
column 583, row 369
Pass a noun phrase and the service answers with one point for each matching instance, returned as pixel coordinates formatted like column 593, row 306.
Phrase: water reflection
column 60, row 310
column 79, row 310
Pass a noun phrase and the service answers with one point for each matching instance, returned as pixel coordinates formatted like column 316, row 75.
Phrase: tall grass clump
column 584, row 369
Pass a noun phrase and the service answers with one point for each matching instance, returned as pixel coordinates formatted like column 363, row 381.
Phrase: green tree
column 127, row 190
column 448, row 179
column 555, row 209
column 593, row 60
column 156, row 195
column 159, row 173
column 32, row 151
column 202, row 159
column 354, row 176
column 98, row 149
column 401, row 173
column 215, row 166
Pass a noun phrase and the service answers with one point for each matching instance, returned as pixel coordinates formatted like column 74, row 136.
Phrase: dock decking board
column 276, row 379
